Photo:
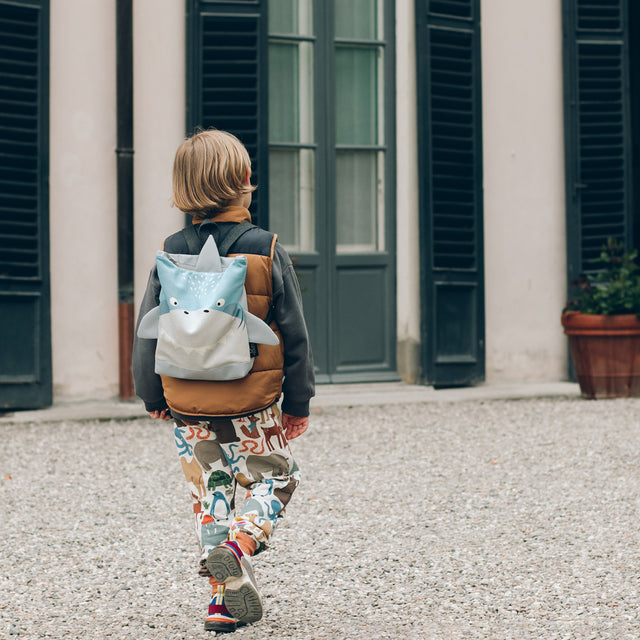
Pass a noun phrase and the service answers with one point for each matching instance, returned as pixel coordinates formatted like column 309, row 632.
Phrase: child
column 230, row 432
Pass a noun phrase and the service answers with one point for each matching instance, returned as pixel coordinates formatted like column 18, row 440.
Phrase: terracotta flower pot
column 606, row 353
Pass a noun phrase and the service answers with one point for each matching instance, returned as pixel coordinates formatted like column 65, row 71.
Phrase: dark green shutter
column 450, row 161
column 25, row 333
column 226, row 80
column 598, row 129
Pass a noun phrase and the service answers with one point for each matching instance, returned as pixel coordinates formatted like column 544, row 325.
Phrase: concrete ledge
column 80, row 410
column 337, row 395
column 400, row 393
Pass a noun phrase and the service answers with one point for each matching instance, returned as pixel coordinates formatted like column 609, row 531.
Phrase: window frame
column 306, row 227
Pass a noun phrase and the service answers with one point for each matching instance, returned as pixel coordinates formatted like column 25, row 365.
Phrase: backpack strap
column 235, row 232
column 192, row 239
column 195, row 242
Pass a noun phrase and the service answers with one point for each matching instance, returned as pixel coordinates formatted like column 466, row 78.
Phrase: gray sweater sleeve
column 299, row 377
column 148, row 385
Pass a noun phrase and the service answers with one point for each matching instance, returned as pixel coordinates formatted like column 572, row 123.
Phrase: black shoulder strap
column 195, row 242
column 192, row 239
column 235, row 232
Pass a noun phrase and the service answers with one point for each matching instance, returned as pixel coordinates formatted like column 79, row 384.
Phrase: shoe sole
column 222, row 565
column 243, row 602
column 223, row 627
column 240, row 595
column 220, row 627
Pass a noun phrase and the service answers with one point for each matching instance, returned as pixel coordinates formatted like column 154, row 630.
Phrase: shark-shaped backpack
column 202, row 324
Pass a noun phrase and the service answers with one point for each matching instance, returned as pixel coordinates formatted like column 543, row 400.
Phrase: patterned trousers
column 253, row 452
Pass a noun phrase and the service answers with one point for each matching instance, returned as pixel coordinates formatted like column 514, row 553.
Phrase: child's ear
column 248, row 178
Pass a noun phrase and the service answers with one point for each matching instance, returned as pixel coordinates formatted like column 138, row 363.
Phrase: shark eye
column 173, row 302
column 220, row 303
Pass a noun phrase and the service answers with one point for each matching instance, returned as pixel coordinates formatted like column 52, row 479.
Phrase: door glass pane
column 291, row 103
column 290, row 17
column 356, row 95
column 291, row 198
column 305, row 94
column 359, row 197
column 356, row 19
column 290, row 92
column 283, row 92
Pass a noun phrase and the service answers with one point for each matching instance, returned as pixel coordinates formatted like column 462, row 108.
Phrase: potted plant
column 603, row 325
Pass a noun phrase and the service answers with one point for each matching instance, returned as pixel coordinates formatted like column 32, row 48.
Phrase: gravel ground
column 473, row 520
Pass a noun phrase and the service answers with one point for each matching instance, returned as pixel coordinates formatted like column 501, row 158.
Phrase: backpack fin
column 209, row 258
column 148, row 327
column 259, row 331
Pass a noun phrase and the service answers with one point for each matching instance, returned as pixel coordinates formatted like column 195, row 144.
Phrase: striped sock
column 219, row 618
column 234, row 547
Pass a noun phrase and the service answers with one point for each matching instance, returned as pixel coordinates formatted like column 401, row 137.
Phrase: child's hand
column 293, row 426
column 164, row 415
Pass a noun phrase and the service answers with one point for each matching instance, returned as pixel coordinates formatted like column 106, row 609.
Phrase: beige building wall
column 524, row 206
column 83, row 198
column 83, row 187
column 159, row 125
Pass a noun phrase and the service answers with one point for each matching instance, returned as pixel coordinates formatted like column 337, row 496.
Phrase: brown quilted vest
column 258, row 390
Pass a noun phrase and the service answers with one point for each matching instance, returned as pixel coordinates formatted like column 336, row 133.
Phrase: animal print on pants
column 252, row 452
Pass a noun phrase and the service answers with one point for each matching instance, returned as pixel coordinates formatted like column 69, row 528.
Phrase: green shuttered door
column 25, row 342
column 331, row 157
column 450, row 154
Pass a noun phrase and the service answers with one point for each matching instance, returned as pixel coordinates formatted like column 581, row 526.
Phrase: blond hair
column 210, row 172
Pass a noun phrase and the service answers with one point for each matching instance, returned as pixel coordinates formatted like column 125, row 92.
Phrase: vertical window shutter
column 453, row 150
column 25, row 326
column 19, row 150
column 227, row 80
column 450, row 139
column 597, row 115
